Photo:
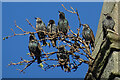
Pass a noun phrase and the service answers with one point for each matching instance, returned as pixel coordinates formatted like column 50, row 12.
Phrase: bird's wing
column 48, row 28
column 29, row 48
column 92, row 36
column 44, row 25
column 56, row 29
column 58, row 22
column 67, row 22
column 39, row 46
column 58, row 56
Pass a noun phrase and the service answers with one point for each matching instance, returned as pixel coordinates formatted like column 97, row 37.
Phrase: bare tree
column 77, row 48
column 102, row 60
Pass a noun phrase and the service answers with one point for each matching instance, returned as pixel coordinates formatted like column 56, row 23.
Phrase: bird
column 63, row 24
column 63, row 58
column 40, row 25
column 52, row 29
column 107, row 23
column 88, row 35
column 34, row 47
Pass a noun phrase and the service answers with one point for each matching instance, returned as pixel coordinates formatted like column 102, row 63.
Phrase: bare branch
column 19, row 27
column 31, row 24
column 74, row 12
column 69, row 10
column 77, row 47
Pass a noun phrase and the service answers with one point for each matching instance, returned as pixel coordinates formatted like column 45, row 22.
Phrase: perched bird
column 40, row 25
column 88, row 35
column 52, row 29
column 108, row 23
column 63, row 23
column 34, row 47
column 63, row 58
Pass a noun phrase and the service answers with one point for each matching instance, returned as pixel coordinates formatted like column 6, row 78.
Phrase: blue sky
column 16, row 47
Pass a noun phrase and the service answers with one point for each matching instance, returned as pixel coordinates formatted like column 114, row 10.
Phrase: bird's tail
column 38, row 60
column 67, row 68
column 44, row 42
column 53, row 42
column 61, row 66
column 41, row 35
column 112, row 29
column 88, row 42
column 92, row 45
column 104, row 33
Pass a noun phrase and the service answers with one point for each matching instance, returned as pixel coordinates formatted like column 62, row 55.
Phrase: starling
column 108, row 23
column 34, row 47
column 88, row 35
column 40, row 25
column 52, row 29
column 63, row 58
column 63, row 23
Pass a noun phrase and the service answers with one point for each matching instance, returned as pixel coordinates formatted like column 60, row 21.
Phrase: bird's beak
column 83, row 24
column 105, row 14
column 31, row 33
column 35, row 17
column 59, row 11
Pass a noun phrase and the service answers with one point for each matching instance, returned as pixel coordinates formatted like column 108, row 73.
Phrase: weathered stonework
column 107, row 52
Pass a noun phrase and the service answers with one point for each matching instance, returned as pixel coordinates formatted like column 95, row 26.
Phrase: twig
column 49, row 66
column 78, row 18
column 27, row 66
column 69, row 10
column 76, row 44
column 73, row 13
column 24, row 61
column 50, row 59
column 13, row 31
column 19, row 27
column 31, row 24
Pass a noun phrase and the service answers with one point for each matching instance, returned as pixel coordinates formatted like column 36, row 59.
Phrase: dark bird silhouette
column 88, row 35
column 108, row 23
column 34, row 47
column 63, row 23
column 40, row 25
column 52, row 29
column 63, row 58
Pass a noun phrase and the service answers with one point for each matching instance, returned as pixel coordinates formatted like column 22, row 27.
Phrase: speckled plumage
column 52, row 28
column 34, row 47
column 63, row 58
column 63, row 23
column 88, row 35
column 40, row 25
column 108, row 23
